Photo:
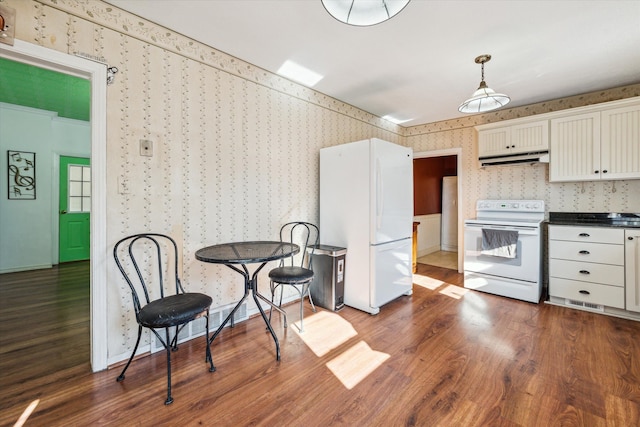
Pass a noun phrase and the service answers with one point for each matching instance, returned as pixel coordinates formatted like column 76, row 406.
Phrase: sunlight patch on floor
column 454, row 291
column 427, row 282
column 325, row 331
column 356, row 363
column 27, row 413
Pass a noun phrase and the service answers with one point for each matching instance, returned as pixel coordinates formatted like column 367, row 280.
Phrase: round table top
column 246, row 252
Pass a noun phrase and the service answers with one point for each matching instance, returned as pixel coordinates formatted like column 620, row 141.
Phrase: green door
column 75, row 206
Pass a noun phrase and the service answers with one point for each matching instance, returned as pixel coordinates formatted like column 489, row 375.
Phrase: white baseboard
column 26, row 268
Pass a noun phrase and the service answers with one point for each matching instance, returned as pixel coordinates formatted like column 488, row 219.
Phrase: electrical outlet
column 146, row 148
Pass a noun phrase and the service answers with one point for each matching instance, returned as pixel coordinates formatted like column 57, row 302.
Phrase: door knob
column 62, row 212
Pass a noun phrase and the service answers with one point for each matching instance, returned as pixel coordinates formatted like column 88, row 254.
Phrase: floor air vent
column 197, row 327
column 218, row 315
column 585, row 305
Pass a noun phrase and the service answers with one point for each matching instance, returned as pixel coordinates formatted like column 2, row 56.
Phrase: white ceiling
column 420, row 64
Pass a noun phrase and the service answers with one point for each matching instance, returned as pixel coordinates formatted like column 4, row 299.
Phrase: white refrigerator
column 366, row 206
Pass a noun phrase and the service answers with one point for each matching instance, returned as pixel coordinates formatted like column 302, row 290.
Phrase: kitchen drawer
column 587, row 234
column 605, row 274
column 611, row 296
column 601, row 253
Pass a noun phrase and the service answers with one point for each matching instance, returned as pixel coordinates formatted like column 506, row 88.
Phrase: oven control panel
column 510, row 205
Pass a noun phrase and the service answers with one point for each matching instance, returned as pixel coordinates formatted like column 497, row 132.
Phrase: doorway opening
column 437, row 209
column 96, row 74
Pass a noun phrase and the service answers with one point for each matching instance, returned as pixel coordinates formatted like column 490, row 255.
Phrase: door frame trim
column 96, row 73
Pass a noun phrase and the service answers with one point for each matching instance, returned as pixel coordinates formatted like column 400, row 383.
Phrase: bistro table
column 239, row 254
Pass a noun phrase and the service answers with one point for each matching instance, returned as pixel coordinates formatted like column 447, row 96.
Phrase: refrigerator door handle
column 379, row 195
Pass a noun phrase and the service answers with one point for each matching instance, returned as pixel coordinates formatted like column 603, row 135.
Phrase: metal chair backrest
column 154, row 258
column 303, row 234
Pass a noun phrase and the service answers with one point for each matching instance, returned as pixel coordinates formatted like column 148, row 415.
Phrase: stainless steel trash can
column 327, row 287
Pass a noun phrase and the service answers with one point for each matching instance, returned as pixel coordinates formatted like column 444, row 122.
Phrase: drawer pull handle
column 583, row 235
column 584, row 272
column 583, row 292
column 584, row 252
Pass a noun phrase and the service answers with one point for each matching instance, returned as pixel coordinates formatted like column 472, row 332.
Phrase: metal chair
column 298, row 274
column 154, row 256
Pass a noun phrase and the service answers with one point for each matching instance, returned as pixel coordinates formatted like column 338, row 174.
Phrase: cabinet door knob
column 584, row 252
column 513, row 146
column 604, row 171
column 583, row 234
column 583, row 292
column 596, row 171
column 584, row 272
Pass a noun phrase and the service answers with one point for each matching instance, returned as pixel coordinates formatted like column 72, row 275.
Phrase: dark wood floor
column 446, row 358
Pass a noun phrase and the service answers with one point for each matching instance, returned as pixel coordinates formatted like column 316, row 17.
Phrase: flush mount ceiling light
column 485, row 98
column 363, row 12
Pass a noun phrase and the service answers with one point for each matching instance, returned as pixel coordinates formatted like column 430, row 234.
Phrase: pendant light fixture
column 485, row 98
column 363, row 13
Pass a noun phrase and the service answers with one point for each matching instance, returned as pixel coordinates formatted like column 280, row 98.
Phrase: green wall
column 29, row 86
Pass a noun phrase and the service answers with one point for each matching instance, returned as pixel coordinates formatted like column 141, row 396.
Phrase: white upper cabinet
column 513, row 138
column 591, row 143
column 620, row 146
column 597, row 145
column 575, row 148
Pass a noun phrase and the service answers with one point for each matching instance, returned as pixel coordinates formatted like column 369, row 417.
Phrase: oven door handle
column 520, row 230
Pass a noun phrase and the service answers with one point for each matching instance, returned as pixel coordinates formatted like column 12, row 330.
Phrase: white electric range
column 512, row 267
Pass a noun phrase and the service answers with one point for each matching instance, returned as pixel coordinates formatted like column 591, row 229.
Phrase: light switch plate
column 146, row 148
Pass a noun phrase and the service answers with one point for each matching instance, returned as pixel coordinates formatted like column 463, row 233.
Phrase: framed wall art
column 21, row 175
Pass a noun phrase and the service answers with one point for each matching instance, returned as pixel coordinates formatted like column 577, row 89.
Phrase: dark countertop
column 595, row 219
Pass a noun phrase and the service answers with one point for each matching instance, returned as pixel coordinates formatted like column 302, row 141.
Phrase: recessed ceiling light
column 395, row 120
column 299, row 73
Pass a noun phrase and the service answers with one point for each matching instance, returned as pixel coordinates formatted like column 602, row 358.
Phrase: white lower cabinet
column 632, row 269
column 587, row 265
column 591, row 293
